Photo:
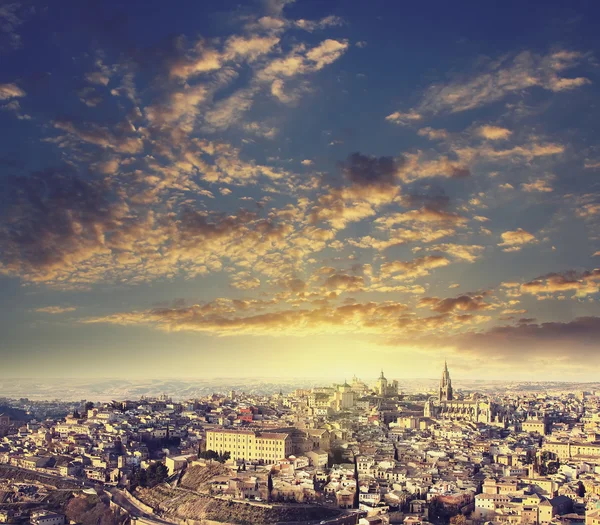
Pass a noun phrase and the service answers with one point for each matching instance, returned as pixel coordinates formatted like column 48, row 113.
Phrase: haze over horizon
column 299, row 189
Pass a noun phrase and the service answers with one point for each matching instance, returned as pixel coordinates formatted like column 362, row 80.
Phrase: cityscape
column 320, row 262
column 354, row 452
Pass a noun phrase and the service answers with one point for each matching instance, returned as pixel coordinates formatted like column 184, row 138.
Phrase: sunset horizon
column 299, row 189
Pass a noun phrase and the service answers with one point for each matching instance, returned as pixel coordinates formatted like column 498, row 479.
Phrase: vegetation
column 269, row 487
column 91, row 510
column 211, row 454
column 546, row 465
column 459, row 519
column 152, row 476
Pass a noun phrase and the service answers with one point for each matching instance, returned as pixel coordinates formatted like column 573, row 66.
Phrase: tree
column 580, row 489
column 150, row 477
column 209, row 454
column 459, row 519
column 156, row 474
column 269, row 487
column 88, row 406
column 529, row 457
column 139, row 478
column 553, row 467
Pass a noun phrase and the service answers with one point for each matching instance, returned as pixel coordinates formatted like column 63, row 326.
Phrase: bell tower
column 445, row 385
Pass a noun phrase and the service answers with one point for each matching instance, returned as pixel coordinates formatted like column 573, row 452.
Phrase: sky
column 300, row 189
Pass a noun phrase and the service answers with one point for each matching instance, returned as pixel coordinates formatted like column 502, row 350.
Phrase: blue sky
column 299, row 188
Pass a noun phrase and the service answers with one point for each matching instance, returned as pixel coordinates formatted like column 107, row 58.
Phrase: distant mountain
column 107, row 389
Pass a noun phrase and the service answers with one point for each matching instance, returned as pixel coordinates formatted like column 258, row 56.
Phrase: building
column 592, row 517
column 46, row 518
column 384, row 389
column 446, row 406
column 249, row 445
column 445, row 393
column 176, row 463
column 343, row 397
column 535, row 426
column 567, row 450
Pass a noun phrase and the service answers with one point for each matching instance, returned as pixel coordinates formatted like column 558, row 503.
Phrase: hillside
column 185, row 504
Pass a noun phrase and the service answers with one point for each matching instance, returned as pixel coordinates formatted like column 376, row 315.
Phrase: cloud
column 462, row 303
column 407, row 270
column 57, row 221
column 463, row 252
column 421, row 216
column 55, row 309
column 403, row 119
column 101, row 78
column 199, row 60
column 125, row 141
column 12, row 15
column 418, row 166
column 8, row 91
column 494, row 133
column 512, row 241
column 583, row 284
column 539, row 185
column 340, row 208
column 433, row 134
column 526, row 152
column 244, row 281
column 14, row 107
column 225, row 317
column 180, row 108
column 370, row 182
column 340, row 282
column 327, row 52
column 500, row 78
column 587, row 206
column 90, row 97
column 249, row 48
column 313, row 25
column 363, row 170
column 542, row 344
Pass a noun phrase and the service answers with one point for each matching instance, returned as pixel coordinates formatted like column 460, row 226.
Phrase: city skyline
column 299, row 189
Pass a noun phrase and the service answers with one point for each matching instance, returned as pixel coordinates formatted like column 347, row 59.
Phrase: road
column 136, row 511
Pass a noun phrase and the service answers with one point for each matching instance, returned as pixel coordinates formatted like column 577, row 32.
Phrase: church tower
column 445, row 385
column 381, row 386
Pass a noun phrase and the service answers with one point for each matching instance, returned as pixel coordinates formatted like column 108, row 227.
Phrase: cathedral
column 475, row 410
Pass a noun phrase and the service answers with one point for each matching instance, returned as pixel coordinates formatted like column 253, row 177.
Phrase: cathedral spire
column 445, row 384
